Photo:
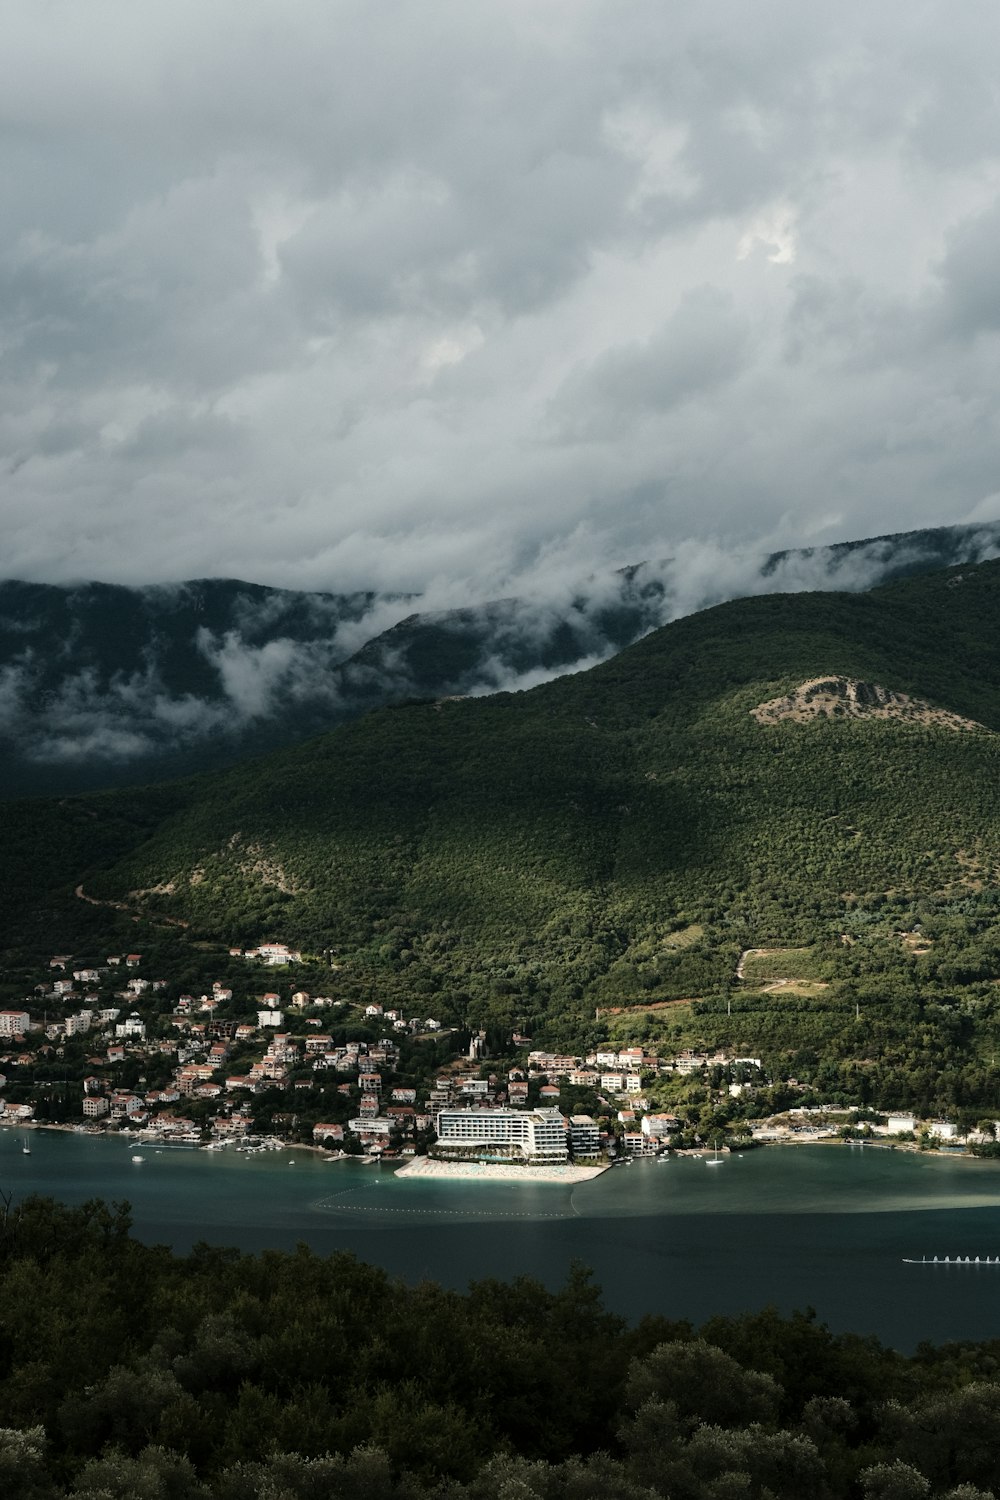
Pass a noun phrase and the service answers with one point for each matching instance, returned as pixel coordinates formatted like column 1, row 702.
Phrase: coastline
column 423, row 1166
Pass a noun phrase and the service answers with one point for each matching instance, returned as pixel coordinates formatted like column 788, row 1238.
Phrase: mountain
column 103, row 685
column 814, row 773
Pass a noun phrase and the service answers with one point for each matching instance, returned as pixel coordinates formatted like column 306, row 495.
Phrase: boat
column 138, row 1158
column 951, row 1260
column 25, row 1149
column 714, row 1161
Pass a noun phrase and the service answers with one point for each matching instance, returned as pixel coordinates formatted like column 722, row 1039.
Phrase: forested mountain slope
column 108, row 686
column 553, row 844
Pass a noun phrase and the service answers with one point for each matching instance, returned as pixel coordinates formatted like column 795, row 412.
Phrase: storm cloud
column 467, row 300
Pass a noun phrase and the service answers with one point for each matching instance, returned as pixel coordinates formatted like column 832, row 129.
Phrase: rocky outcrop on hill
column 848, row 698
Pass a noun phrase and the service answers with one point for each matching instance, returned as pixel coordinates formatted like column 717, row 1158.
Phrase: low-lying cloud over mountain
column 102, row 684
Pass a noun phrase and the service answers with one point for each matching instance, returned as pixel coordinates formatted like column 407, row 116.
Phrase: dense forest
column 129, row 1373
column 592, row 858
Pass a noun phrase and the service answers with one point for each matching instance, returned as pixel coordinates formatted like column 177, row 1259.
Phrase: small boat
column 716, row 1160
column 138, row 1158
column 25, row 1149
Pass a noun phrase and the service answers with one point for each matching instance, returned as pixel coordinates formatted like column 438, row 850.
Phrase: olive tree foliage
column 153, row 1474
column 23, row 1470
column 364, row 1474
column 702, row 1384
column 952, row 1438
column 895, row 1481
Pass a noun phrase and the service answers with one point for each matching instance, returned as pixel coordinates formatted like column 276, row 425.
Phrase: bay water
column 827, row 1227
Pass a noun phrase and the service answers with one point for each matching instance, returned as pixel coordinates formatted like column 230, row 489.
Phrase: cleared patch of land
column 685, row 937
column 767, row 965
column 642, row 1009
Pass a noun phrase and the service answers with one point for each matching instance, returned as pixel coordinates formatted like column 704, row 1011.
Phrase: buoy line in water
column 331, row 1205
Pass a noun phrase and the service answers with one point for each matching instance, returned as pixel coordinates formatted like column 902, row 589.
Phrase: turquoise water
column 826, row 1227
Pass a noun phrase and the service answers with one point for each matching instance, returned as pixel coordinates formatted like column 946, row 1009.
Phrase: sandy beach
column 423, row 1166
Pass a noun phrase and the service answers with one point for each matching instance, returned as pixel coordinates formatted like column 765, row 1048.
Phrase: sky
column 461, row 298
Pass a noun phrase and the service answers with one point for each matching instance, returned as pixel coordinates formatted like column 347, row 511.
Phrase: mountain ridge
column 626, row 785
column 104, row 685
column 595, row 855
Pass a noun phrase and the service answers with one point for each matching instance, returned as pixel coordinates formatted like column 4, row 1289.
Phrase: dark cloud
column 458, row 298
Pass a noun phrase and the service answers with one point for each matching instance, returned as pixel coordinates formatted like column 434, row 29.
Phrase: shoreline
column 423, row 1166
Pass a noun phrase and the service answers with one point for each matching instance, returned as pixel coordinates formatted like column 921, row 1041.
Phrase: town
column 105, row 1046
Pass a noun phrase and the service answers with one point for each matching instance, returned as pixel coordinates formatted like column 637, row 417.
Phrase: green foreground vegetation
column 130, row 1373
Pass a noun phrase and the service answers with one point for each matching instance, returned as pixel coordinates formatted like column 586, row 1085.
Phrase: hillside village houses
column 200, row 1068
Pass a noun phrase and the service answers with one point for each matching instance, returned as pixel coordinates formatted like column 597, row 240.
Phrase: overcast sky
column 391, row 294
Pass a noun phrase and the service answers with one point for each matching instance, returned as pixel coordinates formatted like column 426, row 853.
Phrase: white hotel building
column 533, row 1135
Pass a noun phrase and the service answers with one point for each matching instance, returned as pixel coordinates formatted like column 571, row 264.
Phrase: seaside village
column 102, row 1046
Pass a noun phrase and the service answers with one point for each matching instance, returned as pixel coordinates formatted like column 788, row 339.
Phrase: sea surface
column 825, row 1227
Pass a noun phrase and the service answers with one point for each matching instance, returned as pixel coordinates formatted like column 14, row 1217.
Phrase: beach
column 423, row 1166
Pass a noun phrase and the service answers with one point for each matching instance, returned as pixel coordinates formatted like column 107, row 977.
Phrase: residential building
column 371, row 1125
column 637, row 1144
column 275, row 953
column 657, row 1126
column 584, row 1135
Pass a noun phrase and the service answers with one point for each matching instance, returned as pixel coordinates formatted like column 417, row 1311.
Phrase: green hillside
column 528, row 859
column 104, row 686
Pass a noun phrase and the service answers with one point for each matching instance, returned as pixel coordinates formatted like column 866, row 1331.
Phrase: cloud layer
column 439, row 297
column 99, row 685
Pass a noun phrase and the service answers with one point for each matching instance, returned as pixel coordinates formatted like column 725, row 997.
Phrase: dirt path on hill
column 128, row 910
column 626, row 1010
column 754, row 953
